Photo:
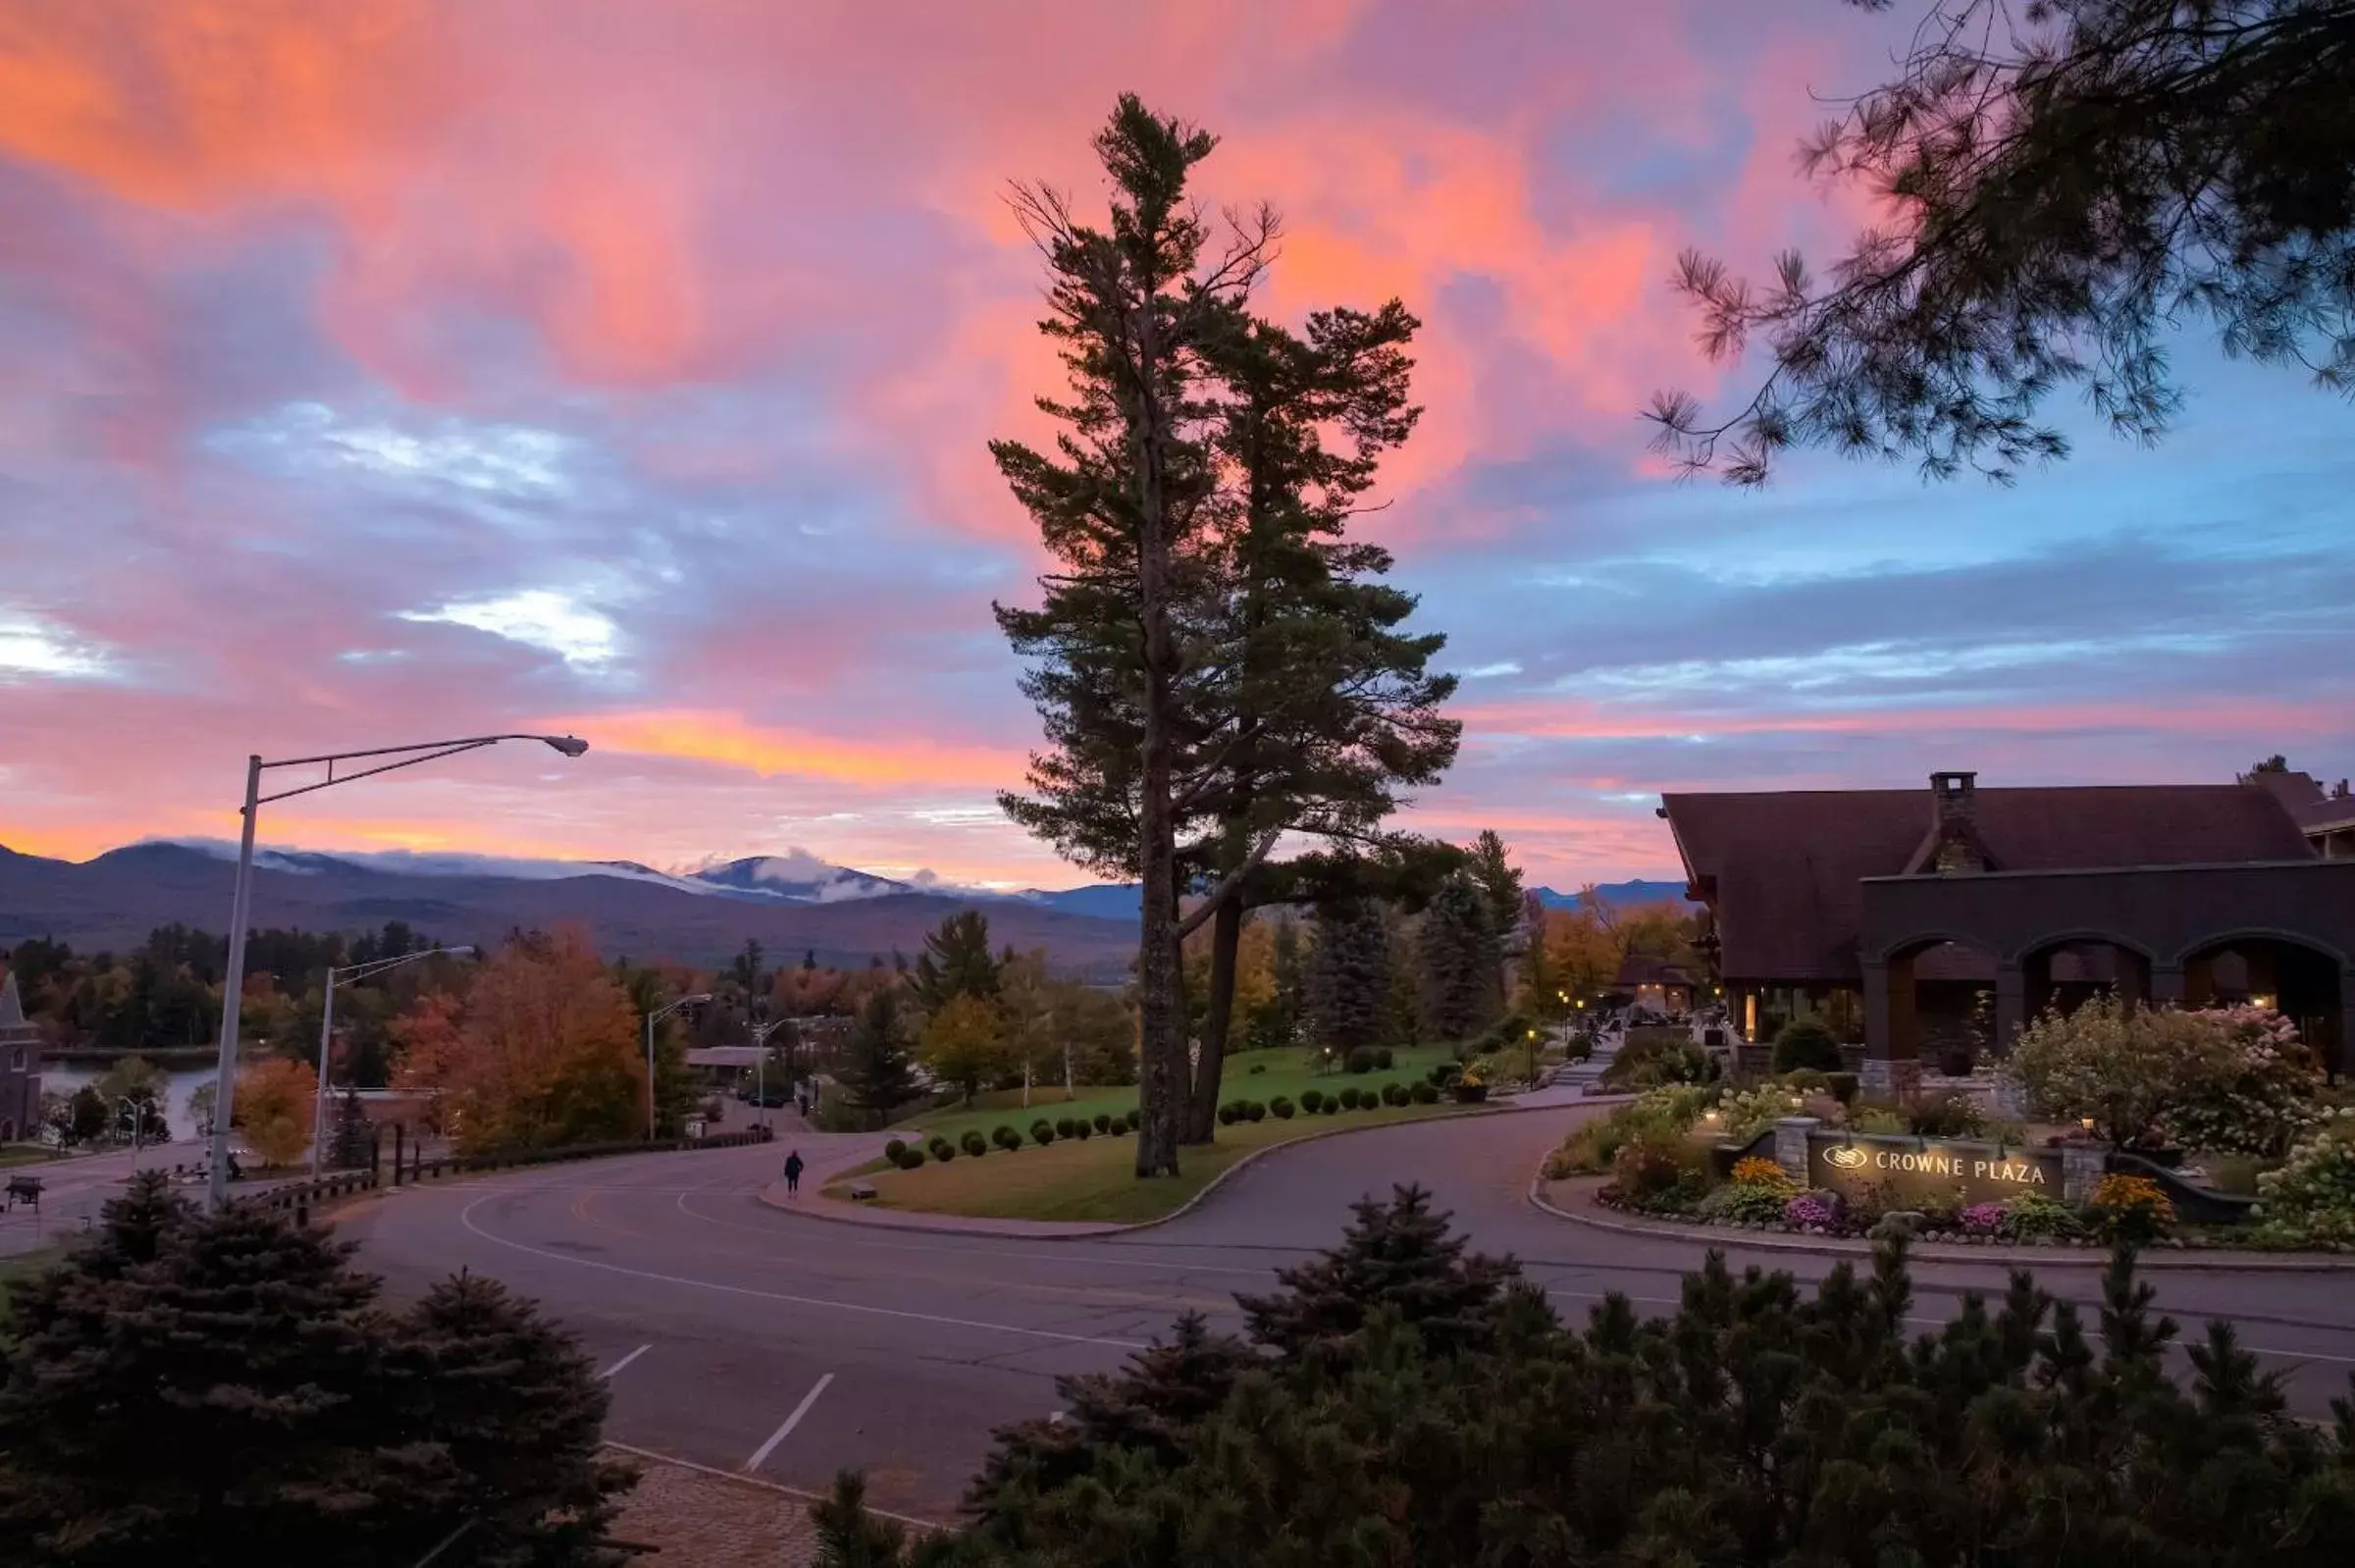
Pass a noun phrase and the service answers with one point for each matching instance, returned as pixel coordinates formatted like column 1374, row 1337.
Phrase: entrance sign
column 1923, row 1169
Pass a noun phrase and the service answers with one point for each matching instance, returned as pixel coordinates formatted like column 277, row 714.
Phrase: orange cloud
column 729, row 741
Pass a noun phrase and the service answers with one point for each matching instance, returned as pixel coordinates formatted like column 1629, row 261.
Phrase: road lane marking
column 466, row 1219
column 615, row 1369
column 786, row 1430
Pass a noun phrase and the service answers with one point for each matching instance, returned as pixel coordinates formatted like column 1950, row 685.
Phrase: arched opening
column 2301, row 982
column 2063, row 973
column 1936, row 1004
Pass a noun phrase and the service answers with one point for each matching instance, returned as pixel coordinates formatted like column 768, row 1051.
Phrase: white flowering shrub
column 2234, row 1080
column 2310, row 1201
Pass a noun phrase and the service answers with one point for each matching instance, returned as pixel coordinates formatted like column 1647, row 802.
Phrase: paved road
column 792, row 1346
column 73, row 1189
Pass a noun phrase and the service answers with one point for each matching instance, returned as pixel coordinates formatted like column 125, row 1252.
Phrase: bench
column 27, row 1189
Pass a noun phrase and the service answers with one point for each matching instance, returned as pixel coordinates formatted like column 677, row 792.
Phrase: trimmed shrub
column 1259, row 1066
column 1394, row 1094
column 1332, row 1105
column 1805, row 1043
column 1042, row 1132
column 1227, row 1116
column 1136, row 1120
column 1253, row 1111
column 1382, row 1058
column 1280, row 1109
column 1081, row 1131
column 1746, row 1202
column 1361, row 1060
column 1946, row 1116
column 2311, row 1200
column 943, row 1150
column 893, row 1149
column 1424, row 1094
column 1843, row 1085
column 1066, row 1127
column 908, row 1157
column 1007, row 1139
column 2034, row 1217
column 1103, row 1121
column 1312, row 1100
column 1350, row 1098
column 974, row 1144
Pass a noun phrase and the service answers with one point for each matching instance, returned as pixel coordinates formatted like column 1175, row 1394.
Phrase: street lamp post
column 760, row 1035
column 651, row 1019
column 351, row 974
column 241, row 898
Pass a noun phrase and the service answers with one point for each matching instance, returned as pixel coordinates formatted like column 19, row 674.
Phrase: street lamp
column 1532, row 1059
column 352, row 972
column 760, row 1035
column 240, row 899
column 651, row 1019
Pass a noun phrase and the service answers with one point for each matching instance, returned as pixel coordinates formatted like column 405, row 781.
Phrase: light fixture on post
column 348, row 975
column 651, row 1019
column 225, row 1080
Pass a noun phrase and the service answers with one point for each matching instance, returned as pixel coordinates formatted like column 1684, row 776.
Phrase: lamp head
column 569, row 745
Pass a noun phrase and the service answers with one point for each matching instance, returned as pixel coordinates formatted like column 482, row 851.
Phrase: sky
column 377, row 370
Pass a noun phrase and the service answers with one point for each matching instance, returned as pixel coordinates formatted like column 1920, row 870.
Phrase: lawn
column 1260, row 1075
column 26, row 1154
column 1095, row 1179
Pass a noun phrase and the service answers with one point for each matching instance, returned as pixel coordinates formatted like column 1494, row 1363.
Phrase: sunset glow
column 382, row 369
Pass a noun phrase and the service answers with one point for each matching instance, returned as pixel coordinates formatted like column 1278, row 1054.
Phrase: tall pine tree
column 956, row 962
column 878, row 1077
column 1457, row 963
column 1122, row 505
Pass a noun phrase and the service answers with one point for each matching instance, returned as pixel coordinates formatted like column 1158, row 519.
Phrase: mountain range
column 788, row 903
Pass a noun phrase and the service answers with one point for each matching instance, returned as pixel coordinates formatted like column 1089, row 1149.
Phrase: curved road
column 741, row 1338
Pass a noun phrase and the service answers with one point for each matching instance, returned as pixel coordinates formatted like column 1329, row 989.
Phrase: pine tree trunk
column 1226, row 942
column 1161, row 1043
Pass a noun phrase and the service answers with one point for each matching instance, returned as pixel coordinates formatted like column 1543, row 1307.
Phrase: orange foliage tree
column 274, row 1107
column 547, row 1051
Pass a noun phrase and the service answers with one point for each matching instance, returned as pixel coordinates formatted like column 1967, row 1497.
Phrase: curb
column 1716, row 1236
column 1086, row 1232
column 758, row 1483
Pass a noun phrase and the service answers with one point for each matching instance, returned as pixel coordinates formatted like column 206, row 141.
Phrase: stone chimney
column 1954, row 824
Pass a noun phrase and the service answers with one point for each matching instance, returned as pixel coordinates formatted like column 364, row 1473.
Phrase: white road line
column 615, row 1369
column 466, row 1219
column 786, row 1430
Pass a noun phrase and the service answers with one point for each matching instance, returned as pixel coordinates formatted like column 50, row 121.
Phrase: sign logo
column 1848, row 1157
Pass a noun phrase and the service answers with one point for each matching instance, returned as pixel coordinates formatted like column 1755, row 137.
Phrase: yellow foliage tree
column 548, row 1052
column 275, row 1104
column 964, row 1042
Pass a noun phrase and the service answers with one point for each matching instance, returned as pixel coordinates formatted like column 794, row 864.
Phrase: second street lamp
column 651, row 1019
column 351, row 974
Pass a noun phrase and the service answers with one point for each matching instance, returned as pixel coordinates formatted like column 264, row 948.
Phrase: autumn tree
column 274, row 1105
column 1122, row 505
column 549, row 1051
column 2059, row 186
column 963, row 1042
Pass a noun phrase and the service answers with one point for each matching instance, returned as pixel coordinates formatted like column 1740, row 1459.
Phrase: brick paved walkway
column 703, row 1519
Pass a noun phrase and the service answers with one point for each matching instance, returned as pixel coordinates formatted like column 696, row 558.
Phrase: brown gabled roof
column 1782, row 868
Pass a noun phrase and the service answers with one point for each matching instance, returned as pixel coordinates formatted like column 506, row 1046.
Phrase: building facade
column 1943, row 922
column 19, row 1068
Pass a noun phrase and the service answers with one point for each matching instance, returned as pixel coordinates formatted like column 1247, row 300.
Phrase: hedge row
column 1316, row 1102
column 908, row 1156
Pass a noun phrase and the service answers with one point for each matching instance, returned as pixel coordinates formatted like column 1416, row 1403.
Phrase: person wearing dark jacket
column 793, row 1172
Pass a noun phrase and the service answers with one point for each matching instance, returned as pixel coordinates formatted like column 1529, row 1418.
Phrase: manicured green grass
column 1095, row 1179
column 26, row 1154
column 1282, row 1073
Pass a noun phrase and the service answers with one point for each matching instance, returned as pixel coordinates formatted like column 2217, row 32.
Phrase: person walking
column 792, row 1174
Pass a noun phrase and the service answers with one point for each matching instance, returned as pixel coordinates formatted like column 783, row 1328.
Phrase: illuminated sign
column 1924, row 1169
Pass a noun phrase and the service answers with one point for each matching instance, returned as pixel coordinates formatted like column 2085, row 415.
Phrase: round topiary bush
column 1103, row 1121
column 944, row 1151
column 1312, row 1101
column 975, row 1144
column 1081, row 1131
column 1361, row 1060
column 1332, row 1105
column 1259, row 1066
column 1136, row 1120
column 1394, row 1094
column 1805, row 1043
column 1424, row 1094
column 908, row 1157
column 1280, row 1109
column 1253, row 1111
column 1066, row 1127
column 1007, row 1139
column 1041, row 1133
column 893, row 1149
column 1382, row 1058
column 1225, row 1116
column 1350, row 1097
